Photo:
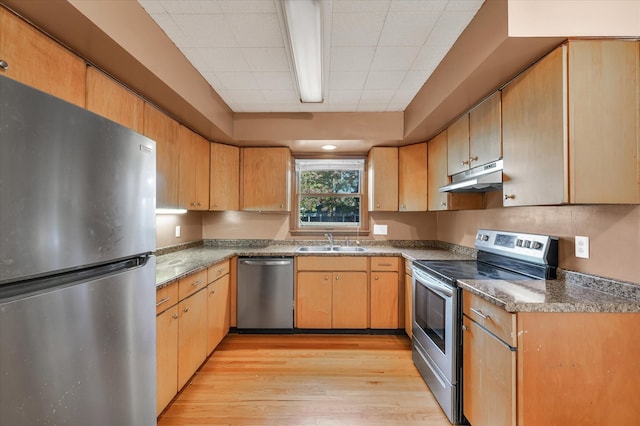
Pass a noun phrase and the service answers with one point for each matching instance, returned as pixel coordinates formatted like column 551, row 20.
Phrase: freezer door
column 82, row 353
column 75, row 188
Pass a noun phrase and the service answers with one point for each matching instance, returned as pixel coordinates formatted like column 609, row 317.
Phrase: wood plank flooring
column 307, row 380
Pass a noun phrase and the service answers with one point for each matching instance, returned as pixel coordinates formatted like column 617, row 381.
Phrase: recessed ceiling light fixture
column 304, row 27
column 328, row 147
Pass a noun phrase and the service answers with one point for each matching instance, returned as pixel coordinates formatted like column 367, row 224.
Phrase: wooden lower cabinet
column 217, row 312
column 166, row 357
column 192, row 335
column 384, row 300
column 349, row 303
column 313, row 300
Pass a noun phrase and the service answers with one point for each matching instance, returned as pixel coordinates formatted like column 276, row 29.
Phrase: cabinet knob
column 464, row 328
column 474, row 158
column 443, row 204
column 213, row 291
column 174, row 316
column 464, row 163
column 281, row 206
column 378, row 206
column 376, row 278
column 509, row 196
column 215, row 204
column 337, row 277
column 185, row 310
column 4, row 65
column 326, row 278
column 193, row 203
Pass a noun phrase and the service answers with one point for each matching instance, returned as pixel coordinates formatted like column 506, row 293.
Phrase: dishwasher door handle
column 266, row 262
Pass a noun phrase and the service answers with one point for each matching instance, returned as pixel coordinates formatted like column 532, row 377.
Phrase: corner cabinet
column 571, row 127
column 412, row 178
column 224, row 177
column 382, row 166
column 266, row 179
column 437, row 177
column 194, row 170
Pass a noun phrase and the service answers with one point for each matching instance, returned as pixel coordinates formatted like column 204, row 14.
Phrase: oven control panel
column 530, row 247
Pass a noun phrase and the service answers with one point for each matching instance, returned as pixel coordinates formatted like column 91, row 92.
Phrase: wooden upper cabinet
column 485, row 131
column 38, row 61
column 111, row 100
column 437, row 177
column 164, row 130
column 570, row 127
column 194, row 170
column 383, row 179
column 604, row 135
column 224, row 177
column 458, row 146
column 412, row 177
column 266, row 179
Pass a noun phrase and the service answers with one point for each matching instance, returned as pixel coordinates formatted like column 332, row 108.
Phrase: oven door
column 435, row 306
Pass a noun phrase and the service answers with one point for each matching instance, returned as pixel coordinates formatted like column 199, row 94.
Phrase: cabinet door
column 194, row 170
column 349, row 308
column 313, row 300
column 224, row 181
column 166, row 357
column 192, row 335
column 164, row 130
column 383, row 179
column 384, row 300
column 485, row 131
column 110, row 99
column 604, row 135
column 458, row 146
column 412, row 178
column 266, row 177
column 38, row 61
column 489, row 382
column 535, row 140
column 217, row 312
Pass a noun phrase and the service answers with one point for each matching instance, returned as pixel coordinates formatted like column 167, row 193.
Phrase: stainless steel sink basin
column 326, row 249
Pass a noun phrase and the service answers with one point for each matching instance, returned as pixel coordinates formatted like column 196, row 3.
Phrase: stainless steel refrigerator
column 77, row 274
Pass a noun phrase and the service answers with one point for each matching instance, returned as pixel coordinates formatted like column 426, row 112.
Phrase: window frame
column 340, row 230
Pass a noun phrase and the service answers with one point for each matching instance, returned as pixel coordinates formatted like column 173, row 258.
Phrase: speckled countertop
column 572, row 292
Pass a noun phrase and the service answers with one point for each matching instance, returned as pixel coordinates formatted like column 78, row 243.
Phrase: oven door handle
column 441, row 289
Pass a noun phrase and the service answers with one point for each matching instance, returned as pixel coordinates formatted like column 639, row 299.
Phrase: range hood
column 485, row 178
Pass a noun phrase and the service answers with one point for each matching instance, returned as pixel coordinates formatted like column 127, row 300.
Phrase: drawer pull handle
column 165, row 300
column 385, row 264
column 480, row 314
column 196, row 283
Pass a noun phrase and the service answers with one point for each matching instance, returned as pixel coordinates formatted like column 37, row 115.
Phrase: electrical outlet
column 582, row 247
column 379, row 229
column 177, row 231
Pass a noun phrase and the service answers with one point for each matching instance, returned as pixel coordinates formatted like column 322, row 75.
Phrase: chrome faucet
column 330, row 238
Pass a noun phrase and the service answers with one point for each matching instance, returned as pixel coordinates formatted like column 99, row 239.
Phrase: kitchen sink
column 326, row 249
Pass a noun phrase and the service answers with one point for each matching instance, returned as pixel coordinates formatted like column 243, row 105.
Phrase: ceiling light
column 328, row 147
column 305, row 38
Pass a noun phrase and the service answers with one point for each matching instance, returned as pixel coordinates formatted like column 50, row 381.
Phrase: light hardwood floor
column 307, row 380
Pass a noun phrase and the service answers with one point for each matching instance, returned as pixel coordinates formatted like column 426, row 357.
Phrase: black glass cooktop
column 452, row 270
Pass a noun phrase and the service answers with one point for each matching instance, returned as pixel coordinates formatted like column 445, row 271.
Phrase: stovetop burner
column 452, row 270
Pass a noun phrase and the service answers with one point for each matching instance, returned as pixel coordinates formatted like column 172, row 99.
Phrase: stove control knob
column 518, row 242
column 485, row 238
column 536, row 245
column 527, row 244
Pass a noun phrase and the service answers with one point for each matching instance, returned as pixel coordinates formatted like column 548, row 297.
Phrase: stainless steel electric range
column 437, row 317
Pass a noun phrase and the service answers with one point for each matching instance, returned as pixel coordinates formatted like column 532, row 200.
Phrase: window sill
column 334, row 232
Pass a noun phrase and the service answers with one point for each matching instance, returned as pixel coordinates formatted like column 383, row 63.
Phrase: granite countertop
column 572, row 292
column 548, row 296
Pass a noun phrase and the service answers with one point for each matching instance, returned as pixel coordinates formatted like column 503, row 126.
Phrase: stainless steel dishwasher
column 265, row 293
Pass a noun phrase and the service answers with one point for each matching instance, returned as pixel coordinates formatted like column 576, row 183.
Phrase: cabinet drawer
column 166, row 297
column 384, row 263
column 492, row 317
column 332, row 263
column 192, row 283
column 216, row 271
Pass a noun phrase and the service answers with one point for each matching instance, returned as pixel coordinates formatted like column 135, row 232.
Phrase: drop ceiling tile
column 381, row 107
column 171, row 29
column 472, row 5
column 152, row 6
column 417, row 5
column 384, row 80
column 279, row 80
column 429, row 57
column 237, row 80
column 344, row 97
column 413, row 81
column 216, row 58
column 376, row 97
column 361, row 6
column 280, row 96
column 247, row 6
column 347, row 80
column 261, row 59
column 243, row 97
column 191, row 6
column 357, row 29
column 408, row 28
column 449, row 27
column 206, row 30
column 255, row 29
column 402, row 97
column 351, row 58
column 394, row 58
